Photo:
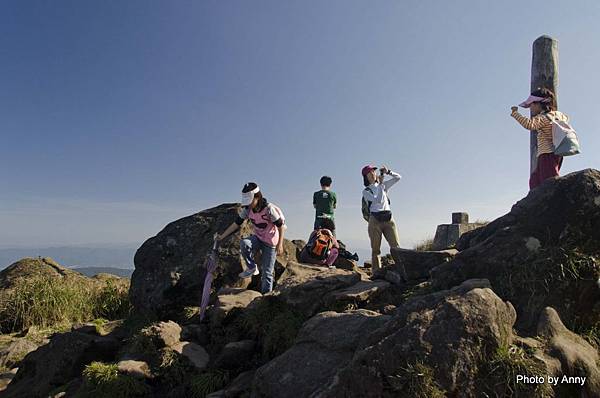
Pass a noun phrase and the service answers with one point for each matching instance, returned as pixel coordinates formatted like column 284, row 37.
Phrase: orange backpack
column 321, row 244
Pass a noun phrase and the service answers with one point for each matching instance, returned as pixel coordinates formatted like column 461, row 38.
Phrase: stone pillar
column 544, row 73
column 446, row 235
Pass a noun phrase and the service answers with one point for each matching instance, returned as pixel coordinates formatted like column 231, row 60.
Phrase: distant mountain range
column 117, row 257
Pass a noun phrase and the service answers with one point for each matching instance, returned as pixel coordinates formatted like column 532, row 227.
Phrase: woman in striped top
column 543, row 109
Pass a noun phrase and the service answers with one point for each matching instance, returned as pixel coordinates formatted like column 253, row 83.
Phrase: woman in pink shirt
column 269, row 224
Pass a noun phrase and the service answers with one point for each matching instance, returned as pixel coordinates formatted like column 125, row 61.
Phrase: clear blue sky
column 117, row 117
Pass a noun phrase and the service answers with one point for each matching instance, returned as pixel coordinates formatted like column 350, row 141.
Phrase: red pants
column 548, row 166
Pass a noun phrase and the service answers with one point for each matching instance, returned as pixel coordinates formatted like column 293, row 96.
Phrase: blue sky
column 118, row 117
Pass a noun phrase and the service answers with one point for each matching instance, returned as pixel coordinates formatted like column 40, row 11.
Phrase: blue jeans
column 251, row 244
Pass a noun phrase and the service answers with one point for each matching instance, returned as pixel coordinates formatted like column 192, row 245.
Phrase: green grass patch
column 44, row 302
column 208, row 382
column 273, row 323
column 501, row 371
column 554, row 276
column 104, row 381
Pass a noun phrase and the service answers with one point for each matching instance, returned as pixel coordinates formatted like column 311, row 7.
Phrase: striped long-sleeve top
column 543, row 126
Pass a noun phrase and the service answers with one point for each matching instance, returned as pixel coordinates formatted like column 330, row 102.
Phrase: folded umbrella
column 210, row 264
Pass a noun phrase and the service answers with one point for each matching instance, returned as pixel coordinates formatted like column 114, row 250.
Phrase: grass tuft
column 206, row 383
column 273, row 323
column 506, row 364
column 416, row 380
column 103, row 380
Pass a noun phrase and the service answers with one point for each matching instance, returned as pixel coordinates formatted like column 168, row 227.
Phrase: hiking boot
column 248, row 273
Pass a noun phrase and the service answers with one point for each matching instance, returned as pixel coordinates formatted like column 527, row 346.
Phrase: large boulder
column 570, row 355
column 440, row 340
column 305, row 287
column 325, row 344
column 228, row 300
column 357, row 294
column 169, row 272
column 543, row 253
column 58, row 362
column 417, row 264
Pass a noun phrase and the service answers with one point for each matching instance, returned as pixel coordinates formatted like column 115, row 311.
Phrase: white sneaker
column 247, row 273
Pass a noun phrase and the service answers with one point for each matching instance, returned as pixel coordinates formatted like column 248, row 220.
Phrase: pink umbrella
column 210, row 264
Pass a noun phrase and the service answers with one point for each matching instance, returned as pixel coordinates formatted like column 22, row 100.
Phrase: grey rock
column 325, row 344
column 447, row 331
column 556, row 223
column 169, row 273
column 138, row 369
column 192, row 351
column 236, row 354
column 417, row 264
column 13, row 353
column 305, row 287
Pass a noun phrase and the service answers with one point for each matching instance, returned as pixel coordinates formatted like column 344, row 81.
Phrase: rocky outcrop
column 566, row 353
column 325, row 344
column 304, row 287
column 443, row 335
column 229, row 299
column 423, row 328
column 169, row 272
column 58, row 362
column 543, row 253
column 417, row 264
column 30, row 268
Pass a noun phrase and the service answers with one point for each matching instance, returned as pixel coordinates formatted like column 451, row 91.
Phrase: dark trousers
column 318, row 225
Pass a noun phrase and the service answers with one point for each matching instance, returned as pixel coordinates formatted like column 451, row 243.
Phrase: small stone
column 192, row 351
column 532, row 244
column 138, row 369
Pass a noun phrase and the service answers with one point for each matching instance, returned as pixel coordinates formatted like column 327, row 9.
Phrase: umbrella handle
column 215, row 241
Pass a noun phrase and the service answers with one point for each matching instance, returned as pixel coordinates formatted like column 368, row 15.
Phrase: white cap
column 248, row 196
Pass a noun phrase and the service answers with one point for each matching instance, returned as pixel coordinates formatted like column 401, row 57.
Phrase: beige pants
column 376, row 229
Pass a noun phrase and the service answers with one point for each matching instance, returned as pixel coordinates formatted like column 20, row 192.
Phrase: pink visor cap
column 367, row 169
column 531, row 99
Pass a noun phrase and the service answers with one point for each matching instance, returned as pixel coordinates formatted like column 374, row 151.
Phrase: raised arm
column 535, row 123
column 395, row 178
